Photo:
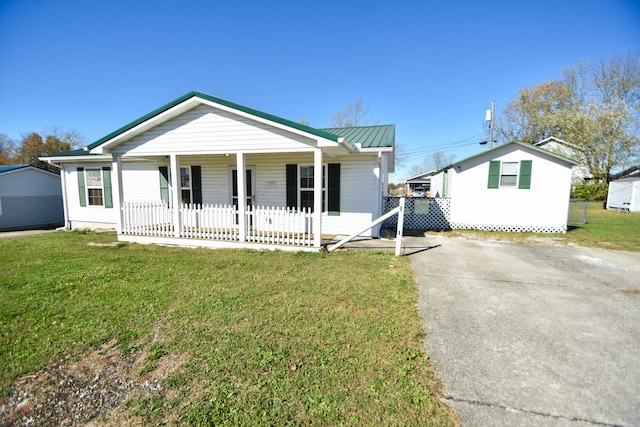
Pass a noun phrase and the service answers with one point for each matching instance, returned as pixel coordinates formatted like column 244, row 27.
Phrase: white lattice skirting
column 511, row 228
column 427, row 213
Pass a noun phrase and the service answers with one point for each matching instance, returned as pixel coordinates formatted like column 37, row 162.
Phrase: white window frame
column 89, row 187
column 325, row 193
column 188, row 187
column 504, row 173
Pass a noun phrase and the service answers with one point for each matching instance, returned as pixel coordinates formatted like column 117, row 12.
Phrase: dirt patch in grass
column 92, row 389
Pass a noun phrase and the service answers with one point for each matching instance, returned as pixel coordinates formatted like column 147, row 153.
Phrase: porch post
column 117, row 195
column 317, row 197
column 175, row 194
column 242, row 197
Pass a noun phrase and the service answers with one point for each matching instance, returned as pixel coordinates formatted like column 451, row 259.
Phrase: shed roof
column 382, row 136
column 13, row 168
column 522, row 144
column 10, row 168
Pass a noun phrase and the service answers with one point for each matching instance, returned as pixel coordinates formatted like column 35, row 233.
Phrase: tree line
column 33, row 145
column 595, row 106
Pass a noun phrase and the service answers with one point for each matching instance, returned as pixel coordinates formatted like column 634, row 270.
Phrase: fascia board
column 75, row 159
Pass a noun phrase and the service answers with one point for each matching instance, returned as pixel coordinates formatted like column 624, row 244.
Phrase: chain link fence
column 577, row 212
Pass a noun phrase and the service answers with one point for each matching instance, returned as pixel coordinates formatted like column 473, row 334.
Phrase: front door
column 249, row 187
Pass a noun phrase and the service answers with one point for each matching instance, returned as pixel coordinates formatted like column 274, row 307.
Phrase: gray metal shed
column 30, row 198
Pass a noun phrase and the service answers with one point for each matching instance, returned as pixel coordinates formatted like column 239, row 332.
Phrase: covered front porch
column 240, row 222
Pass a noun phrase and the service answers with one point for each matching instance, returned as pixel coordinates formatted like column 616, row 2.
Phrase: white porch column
column 116, row 192
column 242, row 196
column 176, row 200
column 317, row 197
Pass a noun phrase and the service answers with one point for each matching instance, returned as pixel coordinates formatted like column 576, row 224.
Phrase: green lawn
column 234, row 337
column 604, row 229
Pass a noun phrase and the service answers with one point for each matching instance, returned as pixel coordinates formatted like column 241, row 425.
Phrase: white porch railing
column 273, row 225
column 279, row 225
column 147, row 218
column 216, row 222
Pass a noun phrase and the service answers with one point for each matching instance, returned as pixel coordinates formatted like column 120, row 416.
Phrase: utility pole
column 493, row 109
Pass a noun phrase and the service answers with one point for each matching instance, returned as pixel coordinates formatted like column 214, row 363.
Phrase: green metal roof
column 368, row 136
column 185, row 97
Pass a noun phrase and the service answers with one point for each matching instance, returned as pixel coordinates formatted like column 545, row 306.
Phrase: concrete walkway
column 529, row 334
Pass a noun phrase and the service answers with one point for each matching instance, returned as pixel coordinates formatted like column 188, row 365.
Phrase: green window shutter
column 196, row 184
column 81, row 190
column 164, row 183
column 333, row 178
column 525, row 175
column 292, row 186
column 106, row 185
column 494, row 174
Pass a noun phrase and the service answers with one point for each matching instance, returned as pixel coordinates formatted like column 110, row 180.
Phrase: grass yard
column 604, row 229
column 210, row 337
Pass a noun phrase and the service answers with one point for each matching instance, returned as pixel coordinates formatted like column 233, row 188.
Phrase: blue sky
column 431, row 68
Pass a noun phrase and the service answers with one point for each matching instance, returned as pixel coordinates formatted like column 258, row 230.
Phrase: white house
column 30, row 198
column 512, row 187
column 559, row 146
column 205, row 171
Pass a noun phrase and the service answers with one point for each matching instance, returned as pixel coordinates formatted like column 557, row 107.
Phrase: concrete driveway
column 531, row 334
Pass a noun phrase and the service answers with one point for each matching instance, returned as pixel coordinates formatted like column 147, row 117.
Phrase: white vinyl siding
column 208, row 130
column 90, row 216
column 141, row 181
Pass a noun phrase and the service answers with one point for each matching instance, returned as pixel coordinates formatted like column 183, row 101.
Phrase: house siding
column 542, row 207
column 95, row 217
column 141, row 181
column 205, row 129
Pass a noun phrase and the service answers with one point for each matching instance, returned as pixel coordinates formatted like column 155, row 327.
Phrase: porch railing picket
column 146, row 218
column 265, row 224
column 279, row 225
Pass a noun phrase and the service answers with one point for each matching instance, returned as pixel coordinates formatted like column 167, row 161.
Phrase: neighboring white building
column 422, row 180
column 567, row 149
column 624, row 194
column 30, row 198
column 512, row 187
column 237, row 175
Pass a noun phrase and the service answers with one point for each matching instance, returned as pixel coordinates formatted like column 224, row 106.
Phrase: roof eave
column 192, row 100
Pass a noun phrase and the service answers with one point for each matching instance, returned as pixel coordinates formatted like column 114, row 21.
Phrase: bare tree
column 354, row 114
column 433, row 162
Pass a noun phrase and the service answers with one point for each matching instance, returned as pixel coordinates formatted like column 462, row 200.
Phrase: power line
column 441, row 114
column 471, row 140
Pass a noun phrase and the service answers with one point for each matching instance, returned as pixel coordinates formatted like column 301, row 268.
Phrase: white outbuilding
column 624, row 194
column 512, row 187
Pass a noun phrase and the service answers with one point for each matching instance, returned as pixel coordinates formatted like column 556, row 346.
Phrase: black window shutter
column 292, row 186
column 334, row 188
column 196, row 184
